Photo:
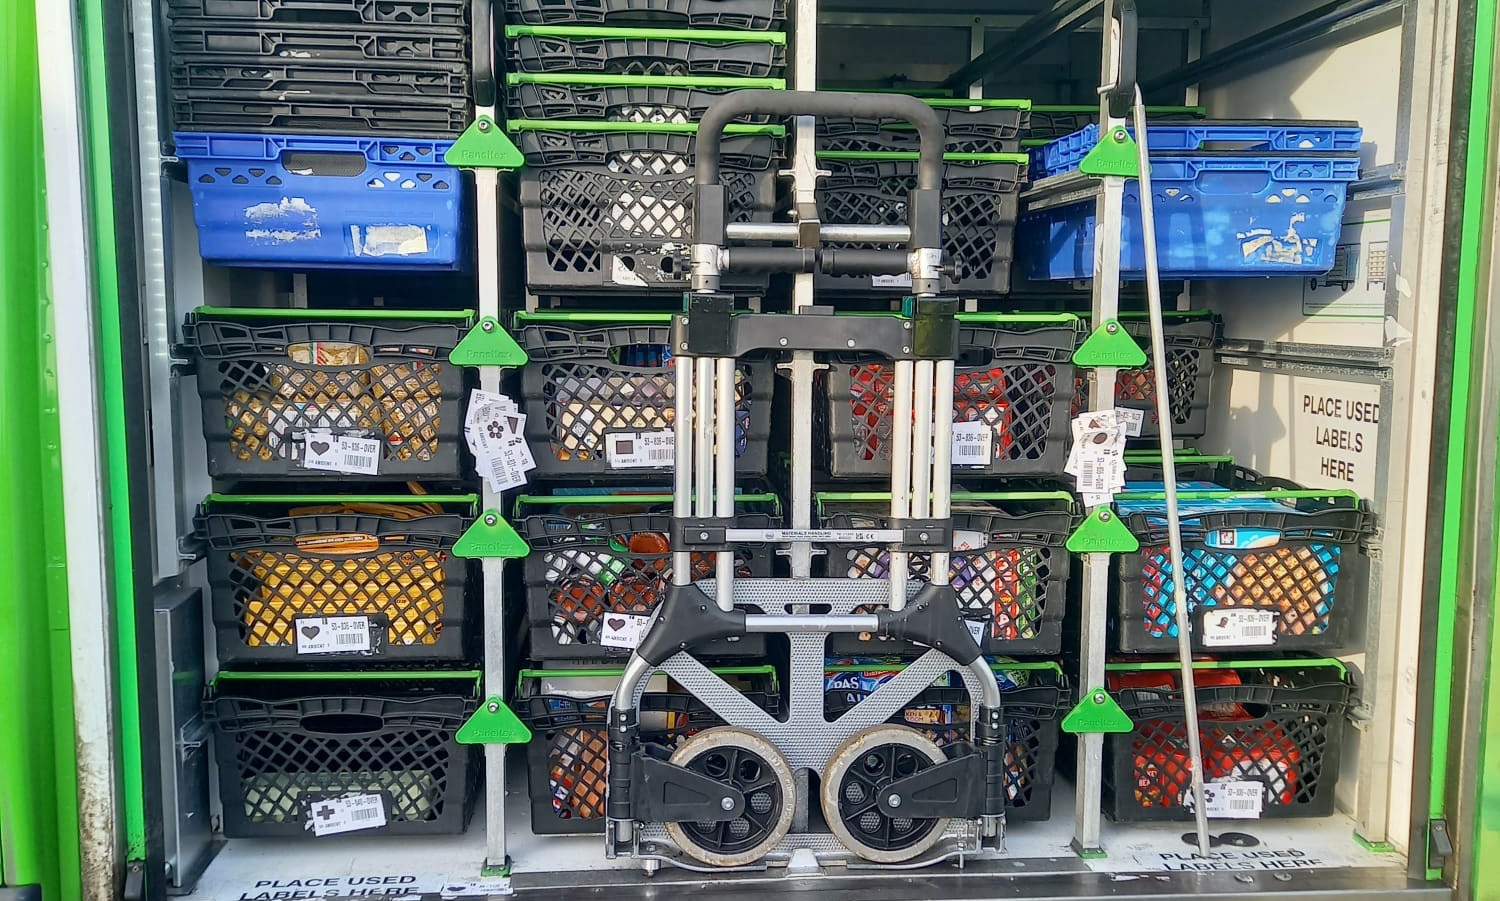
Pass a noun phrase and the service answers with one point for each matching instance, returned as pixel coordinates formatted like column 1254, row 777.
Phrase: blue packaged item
column 323, row 201
column 1260, row 136
column 1218, row 215
column 1194, row 504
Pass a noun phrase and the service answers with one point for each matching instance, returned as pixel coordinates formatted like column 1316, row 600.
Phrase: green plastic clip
column 493, row 724
column 1110, row 345
column 1102, row 532
column 1097, row 712
column 490, row 536
column 1115, row 156
column 487, row 344
column 483, row 145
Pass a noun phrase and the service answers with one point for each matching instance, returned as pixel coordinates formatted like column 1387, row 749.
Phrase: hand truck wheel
column 854, row 779
column 752, row 765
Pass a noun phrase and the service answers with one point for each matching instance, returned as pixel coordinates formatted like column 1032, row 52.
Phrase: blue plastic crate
column 1217, row 215
column 320, row 201
column 1261, row 137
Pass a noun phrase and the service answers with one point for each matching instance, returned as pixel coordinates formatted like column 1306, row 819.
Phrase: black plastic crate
column 1294, row 557
column 269, row 111
column 288, row 744
column 326, row 81
column 1009, row 568
column 737, row 15
column 1034, row 697
column 1050, row 122
column 612, row 211
column 268, row 380
column 596, row 376
column 1277, row 723
column 639, row 103
column 233, row 40
column 381, row 566
column 597, row 556
column 970, row 126
column 1192, row 337
column 980, row 200
column 540, row 50
column 1014, row 373
column 343, row 12
column 567, row 760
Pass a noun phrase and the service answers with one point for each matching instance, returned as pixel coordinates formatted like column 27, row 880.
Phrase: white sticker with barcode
column 1133, row 420
column 623, row 630
column 973, row 443
column 350, row 813
column 341, row 453
column 621, row 273
column 1233, row 800
column 1238, row 628
column 976, row 629
column 476, row 888
column 641, row 450
column 891, row 281
column 332, row 634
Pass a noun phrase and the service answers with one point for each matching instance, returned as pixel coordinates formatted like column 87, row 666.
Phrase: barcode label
column 1238, row 628
column 976, row 629
column 1233, row 800
column 332, row 816
column 332, row 634
column 341, row 453
column 891, row 281
column 973, row 443
column 636, row 450
column 623, row 630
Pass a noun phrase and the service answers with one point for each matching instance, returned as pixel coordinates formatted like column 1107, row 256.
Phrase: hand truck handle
column 482, row 48
column 1121, row 94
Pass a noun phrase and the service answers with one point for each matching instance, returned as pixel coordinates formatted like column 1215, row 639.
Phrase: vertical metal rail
column 1089, row 796
column 804, row 182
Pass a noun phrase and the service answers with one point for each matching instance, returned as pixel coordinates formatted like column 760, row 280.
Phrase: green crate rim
column 681, row 34
column 216, row 498
column 677, row 128
column 334, row 675
column 877, row 155
column 646, row 81
column 466, row 316
column 1280, row 663
column 1184, row 454
column 522, row 318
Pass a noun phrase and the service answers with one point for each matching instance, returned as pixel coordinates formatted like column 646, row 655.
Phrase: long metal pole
column 1169, row 477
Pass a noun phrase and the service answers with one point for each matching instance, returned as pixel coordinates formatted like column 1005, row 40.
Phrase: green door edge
column 39, row 842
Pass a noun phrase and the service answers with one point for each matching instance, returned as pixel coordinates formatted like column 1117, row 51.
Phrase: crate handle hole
column 343, row 723
column 318, row 162
column 1233, row 182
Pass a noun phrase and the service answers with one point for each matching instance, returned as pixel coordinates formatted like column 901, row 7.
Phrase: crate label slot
column 891, row 281
column 1133, row 420
column 973, row 443
column 333, row 634
column 623, row 630
column 341, row 453
column 1239, row 628
column 1233, row 800
column 332, row 816
column 976, row 629
column 641, row 450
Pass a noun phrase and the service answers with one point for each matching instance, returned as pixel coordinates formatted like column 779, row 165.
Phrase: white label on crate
column 341, row 453
column 622, row 274
column 332, row 634
column 973, row 443
column 477, row 888
column 351, row 813
column 623, row 630
column 638, row 450
column 1233, row 800
column 976, row 629
column 1132, row 419
column 1238, row 628
column 891, row 281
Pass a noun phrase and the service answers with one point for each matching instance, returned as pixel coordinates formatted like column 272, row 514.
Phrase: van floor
column 1144, row 860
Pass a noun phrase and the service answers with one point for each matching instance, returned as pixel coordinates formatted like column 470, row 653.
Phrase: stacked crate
column 314, row 132
column 604, row 99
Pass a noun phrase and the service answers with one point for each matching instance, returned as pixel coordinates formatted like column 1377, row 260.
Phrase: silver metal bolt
column 702, row 536
column 784, row 342
column 906, row 325
column 488, row 325
column 727, row 803
column 683, row 345
column 484, row 125
column 922, row 535
column 1104, row 516
column 682, row 319
column 494, row 707
column 1112, row 327
column 1120, row 136
column 850, row 342
column 893, row 800
column 1099, row 698
column 906, row 350
column 490, row 519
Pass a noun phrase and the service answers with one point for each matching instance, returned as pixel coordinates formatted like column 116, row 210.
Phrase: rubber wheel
column 752, row 765
column 852, row 783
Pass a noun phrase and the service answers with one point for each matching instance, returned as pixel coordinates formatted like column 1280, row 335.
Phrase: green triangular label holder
column 1110, row 345
column 1097, row 712
column 493, row 724
column 489, row 537
column 1102, row 532
column 483, row 145
column 1115, row 156
column 487, row 344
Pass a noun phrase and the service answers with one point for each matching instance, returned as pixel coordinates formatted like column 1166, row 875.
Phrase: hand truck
column 889, row 796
